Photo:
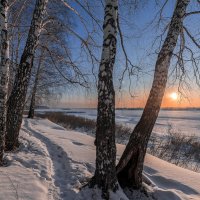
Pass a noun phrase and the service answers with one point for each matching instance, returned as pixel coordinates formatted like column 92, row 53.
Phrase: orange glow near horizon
column 171, row 99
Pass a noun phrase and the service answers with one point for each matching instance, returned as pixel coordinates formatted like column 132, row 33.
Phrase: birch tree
column 105, row 174
column 4, row 70
column 130, row 165
column 33, row 95
column 16, row 101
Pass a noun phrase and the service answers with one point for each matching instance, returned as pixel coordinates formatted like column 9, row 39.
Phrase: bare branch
column 89, row 13
column 192, row 13
column 191, row 37
column 60, row 72
column 128, row 62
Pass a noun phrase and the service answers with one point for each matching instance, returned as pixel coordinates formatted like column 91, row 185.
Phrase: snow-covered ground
column 184, row 121
column 53, row 163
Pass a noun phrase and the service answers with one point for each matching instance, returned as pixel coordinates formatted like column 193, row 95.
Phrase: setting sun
column 174, row 96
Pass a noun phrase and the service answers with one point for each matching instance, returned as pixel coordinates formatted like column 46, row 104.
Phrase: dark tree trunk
column 105, row 174
column 130, row 166
column 31, row 112
column 4, row 74
column 16, row 100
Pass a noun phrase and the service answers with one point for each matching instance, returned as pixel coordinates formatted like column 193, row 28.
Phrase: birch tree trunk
column 31, row 112
column 4, row 73
column 105, row 175
column 130, row 166
column 16, row 100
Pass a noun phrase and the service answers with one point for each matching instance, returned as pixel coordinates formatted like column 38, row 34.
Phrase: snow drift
column 53, row 163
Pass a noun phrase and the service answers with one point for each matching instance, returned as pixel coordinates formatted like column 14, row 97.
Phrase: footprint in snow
column 78, row 143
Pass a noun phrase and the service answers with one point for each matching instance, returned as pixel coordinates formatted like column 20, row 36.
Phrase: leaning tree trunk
column 31, row 112
column 130, row 166
column 105, row 174
column 16, row 100
column 4, row 74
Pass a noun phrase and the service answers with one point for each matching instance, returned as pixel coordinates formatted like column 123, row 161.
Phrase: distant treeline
column 169, row 108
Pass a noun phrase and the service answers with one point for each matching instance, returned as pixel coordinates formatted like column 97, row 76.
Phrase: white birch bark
column 4, row 73
column 105, row 175
column 17, row 98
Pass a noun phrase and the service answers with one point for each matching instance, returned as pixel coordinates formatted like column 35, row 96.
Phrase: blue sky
column 139, row 35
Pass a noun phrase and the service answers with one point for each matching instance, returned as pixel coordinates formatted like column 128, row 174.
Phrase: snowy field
column 53, row 163
column 184, row 121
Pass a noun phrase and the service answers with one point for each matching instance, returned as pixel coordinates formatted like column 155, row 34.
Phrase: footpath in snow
column 53, row 163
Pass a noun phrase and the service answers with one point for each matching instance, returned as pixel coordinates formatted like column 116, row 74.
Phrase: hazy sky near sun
column 126, row 101
column 139, row 38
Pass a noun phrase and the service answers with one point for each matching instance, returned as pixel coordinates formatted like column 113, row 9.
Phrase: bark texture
column 105, row 175
column 16, row 100
column 31, row 112
column 130, row 166
column 4, row 73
